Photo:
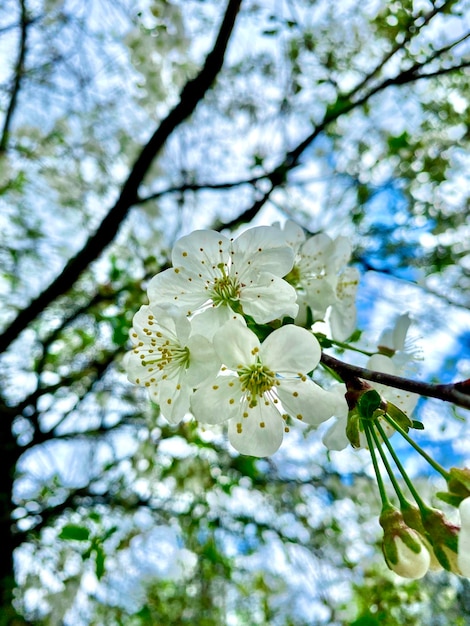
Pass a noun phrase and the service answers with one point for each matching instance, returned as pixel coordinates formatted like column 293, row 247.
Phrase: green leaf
column 366, row 620
column 99, row 562
column 74, row 532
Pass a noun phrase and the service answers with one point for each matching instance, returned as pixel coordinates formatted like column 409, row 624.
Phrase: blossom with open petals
column 322, row 281
column 214, row 279
column 262, row 385
column 167, row 359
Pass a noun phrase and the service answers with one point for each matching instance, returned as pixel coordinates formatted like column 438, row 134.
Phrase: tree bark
column 9, row 454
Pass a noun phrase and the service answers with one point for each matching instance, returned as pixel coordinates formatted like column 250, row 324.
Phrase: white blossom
column 322, row 281
column 167, row 359
column 214, row 279
column 463, row 558
column 262, row 385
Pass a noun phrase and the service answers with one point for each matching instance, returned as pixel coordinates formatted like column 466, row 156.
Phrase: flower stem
column 418, row 448
column 422, row 506
column 380, row 483
column 403, row 501
column 347, row 346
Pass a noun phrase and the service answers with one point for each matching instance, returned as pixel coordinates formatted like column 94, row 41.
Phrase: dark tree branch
column 409, row 35
column 192, row 93
column 343, row 105
column 201, row 187
column 457, row 393
column 19, row 73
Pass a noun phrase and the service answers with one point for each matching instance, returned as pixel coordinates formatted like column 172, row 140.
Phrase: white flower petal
column 178, row 287
column 343, row 312
column 260, row 433
column 208, row 322
column 382, row 363
column 203, row 361
column 409, row 563
column 268, row 299
column 200, row 251
column 145, row 321
column 305, row 400
column 463, row 558
column 135, row 372
column 172, row 321
column 341, row 253
column 294, row 235
column 218, row 400
column 335, row 437
column 236, row 345
column 262, row 249
column 404, row 400
column 291, row 349
column 320, row 293
column 173, row 398
column 315, row 254
column 394, row 338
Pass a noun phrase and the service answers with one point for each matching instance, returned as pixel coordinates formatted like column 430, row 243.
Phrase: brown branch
column 457, row 393
column 192, row 93
column 399, row 46
column 200, row 187
column 19, row 73
column 344, row 104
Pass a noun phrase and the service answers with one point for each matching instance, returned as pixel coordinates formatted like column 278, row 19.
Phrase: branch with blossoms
column 193, row 92
column 230, row 337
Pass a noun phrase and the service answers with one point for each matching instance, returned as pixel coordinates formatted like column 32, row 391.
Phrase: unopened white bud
column 404, row 548
column 463, row 558
column 410, row 564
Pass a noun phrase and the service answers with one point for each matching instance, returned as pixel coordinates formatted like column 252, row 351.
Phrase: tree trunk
column 9, row 454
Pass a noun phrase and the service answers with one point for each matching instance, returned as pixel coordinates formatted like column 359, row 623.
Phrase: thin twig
column 19, row 73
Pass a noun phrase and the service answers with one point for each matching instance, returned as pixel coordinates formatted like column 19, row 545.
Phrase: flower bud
column 412, row 517
column 444, row 538
column 404, row 549
column 463, row 558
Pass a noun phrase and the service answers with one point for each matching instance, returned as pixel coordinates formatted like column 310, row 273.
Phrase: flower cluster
column 326, row 287
column 212, row 342
column 228, row 336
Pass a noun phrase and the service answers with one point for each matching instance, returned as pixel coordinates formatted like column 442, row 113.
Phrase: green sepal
column 458, row 483
column 352, row 429
column 399, row 417
column 443, row 537
column 368, row 404
column 323, row 340
column 450, row 498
